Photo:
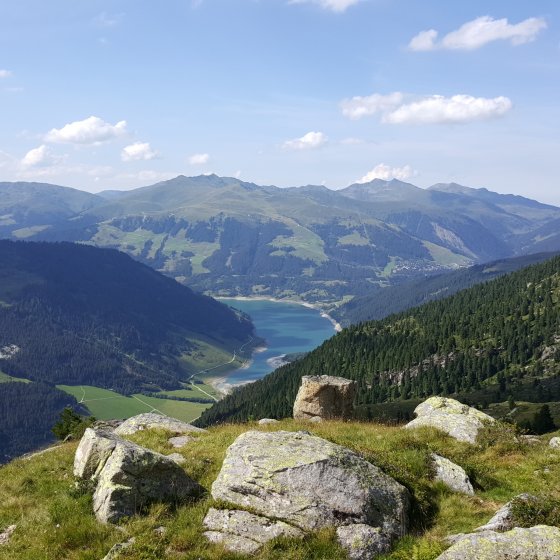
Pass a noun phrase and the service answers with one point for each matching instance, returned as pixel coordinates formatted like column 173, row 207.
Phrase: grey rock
column 452, row 475
column 324, row 396
column 503, row 518
column 315, row 419
column 244, row 532
column 6, row 534
column 128, row 476
column 554, row 442
column 116, row 550
column 151, row 421
column 362, row 542
column 179, row 441
column 460, row 421
column 537, row 543
column 309, row 482
column 177, row 457
column 264, row 421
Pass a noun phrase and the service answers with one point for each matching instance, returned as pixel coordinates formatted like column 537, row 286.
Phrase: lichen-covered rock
column 244, row 532
column 324, row 396
column 460, row 421
column 503, row 520
column 151, row 421
column 452, row 475
column 537, row 543
column 6, row 534
column 310, row 483
column 264, row 421
column 179, row 441
column 128, row 476
column 362, row 542
column 554, row 442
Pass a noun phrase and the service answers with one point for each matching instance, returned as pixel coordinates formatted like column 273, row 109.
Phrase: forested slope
column 483, row 344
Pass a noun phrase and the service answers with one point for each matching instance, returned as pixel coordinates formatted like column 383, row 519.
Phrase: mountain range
column 229, row 237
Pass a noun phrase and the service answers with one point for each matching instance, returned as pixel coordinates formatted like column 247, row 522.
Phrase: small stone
column 6, row 534
column 315, row 419
column 244, row 532
column 264, row 421
column 177, row 457
column 362, row 542
column 179, row 441
column 554, row 443
column 325, row 396
column 160, row 530
column 152, row 421
column 452, row 475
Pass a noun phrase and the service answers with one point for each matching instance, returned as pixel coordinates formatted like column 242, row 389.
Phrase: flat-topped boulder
column 536, row 543
column 324, row 396
column 128, row 476
column 153, row 421
column 458, row 420
column 310, row 483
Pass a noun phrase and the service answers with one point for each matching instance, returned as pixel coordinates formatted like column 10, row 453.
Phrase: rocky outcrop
column 452, row 475
column 362, row 542
column 152, row 421
column 6, row 534
column 537, row 543
column 325, row 397
column 458, row 420
column 127, row 476
column 310, row 483
column 554, row 443
column 244, row 532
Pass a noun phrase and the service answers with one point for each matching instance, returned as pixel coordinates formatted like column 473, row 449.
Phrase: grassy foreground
column 56, row 522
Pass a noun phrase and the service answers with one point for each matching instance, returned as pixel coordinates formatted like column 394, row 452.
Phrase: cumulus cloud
column 386, row 172
column 92, row 130
column 338, row 6
column 40, row 157
column 308, row 141
column 358, row 107
column 437, row 109
column 199, row 159
column 5, row 73
column 479, row 32
column 395, row 108
column 139, row 151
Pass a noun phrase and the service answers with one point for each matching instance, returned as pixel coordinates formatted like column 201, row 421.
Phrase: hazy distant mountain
column 231, row 237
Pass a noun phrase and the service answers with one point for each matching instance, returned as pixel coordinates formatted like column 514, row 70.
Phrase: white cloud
column 199, row 159
column 431, row 109
column 338, row 6
column 479, row 32
column 386, row 172
column 139, row 151
column 92, row 130
column 437, row 109
column 5, row 73
column 358, row 107
column 40, row 157
column 308, row 141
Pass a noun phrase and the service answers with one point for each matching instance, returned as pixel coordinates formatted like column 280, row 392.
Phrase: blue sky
column 122, row 93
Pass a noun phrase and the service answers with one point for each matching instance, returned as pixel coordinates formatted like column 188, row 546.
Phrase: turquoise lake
column 286, row 328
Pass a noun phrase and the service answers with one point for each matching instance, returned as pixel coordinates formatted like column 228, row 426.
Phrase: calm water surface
column 286, row 327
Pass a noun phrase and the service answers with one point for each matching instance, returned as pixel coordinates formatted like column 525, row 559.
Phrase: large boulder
column 460, row 421
column 310, row 483
column 324, row 396
column 452, row 475
column 152, row 421
column 128, row 476
column 537, row 543
column 244, row 532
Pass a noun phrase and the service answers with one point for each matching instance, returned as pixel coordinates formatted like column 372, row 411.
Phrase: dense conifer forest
column 482, row 345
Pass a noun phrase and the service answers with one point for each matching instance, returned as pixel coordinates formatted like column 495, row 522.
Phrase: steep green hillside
column 379, row 302
column 229, row 237
column 55, row 520
column 76, row 314
column 483, row 344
